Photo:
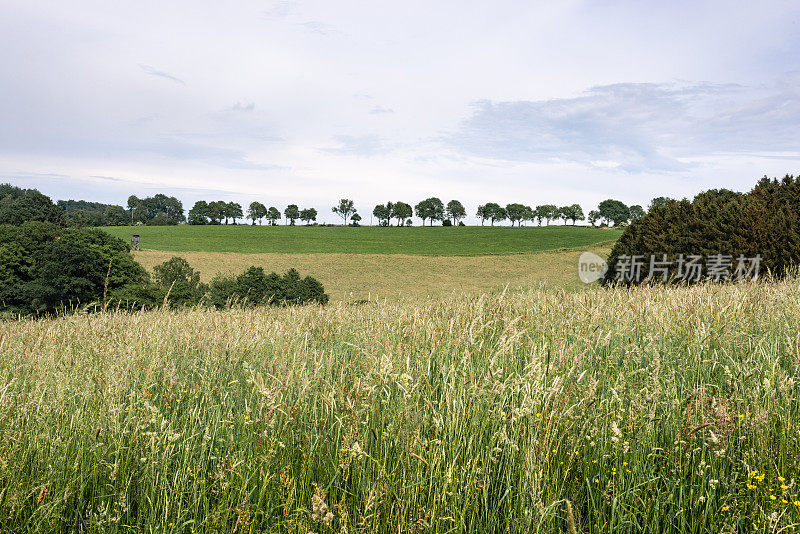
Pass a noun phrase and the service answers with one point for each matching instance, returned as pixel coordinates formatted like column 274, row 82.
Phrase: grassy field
column 429, row 241
column 368, row 262
column 349, row 277
column 649, row 410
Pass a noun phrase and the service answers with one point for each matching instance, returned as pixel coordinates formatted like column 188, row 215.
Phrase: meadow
column 383, row 262
column 428, row 241
column 648, row 410
column 354, row 277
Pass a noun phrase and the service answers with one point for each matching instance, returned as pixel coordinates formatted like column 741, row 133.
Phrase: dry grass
column 349, row 277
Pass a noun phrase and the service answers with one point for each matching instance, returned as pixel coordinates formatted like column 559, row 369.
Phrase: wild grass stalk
column 647, row 410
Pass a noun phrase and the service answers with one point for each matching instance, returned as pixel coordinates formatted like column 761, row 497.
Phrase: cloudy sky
column 308, row 101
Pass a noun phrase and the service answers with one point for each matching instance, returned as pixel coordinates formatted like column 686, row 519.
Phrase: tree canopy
column 431, row 209
column 44, row 268
column 401, row 211
column 455, row 211
column 308, row 215
column 292, row 213
column 720, row 224
column 19, row 205
column 614, row 211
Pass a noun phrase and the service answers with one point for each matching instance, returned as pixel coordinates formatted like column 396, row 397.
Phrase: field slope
column 429, row 241
column 352, row 277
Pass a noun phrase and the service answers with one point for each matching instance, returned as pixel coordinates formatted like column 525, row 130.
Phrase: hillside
column 429, row 241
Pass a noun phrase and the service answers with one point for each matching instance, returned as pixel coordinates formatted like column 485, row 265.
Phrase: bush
column 174, row 282
column 447, row 222
column 765, row 222
column 135, row 296
column 254, row 287
column 176, row 270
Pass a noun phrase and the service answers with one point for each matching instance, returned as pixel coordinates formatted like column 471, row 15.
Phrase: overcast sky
column 309, row 101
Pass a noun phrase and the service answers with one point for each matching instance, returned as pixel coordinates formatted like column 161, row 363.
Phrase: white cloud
column 638, row 127
column 154, row 72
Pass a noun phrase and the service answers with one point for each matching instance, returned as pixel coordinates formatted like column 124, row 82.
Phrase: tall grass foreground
column 643, row 410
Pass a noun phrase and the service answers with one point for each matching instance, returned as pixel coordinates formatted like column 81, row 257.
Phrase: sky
column 307, row 102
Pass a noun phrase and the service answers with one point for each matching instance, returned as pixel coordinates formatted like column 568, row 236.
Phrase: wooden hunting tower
column 135, row 242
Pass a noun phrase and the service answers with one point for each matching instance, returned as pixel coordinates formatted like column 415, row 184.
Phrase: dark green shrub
column 254, row 287
column 174, row 282
column 176, row 270
column 222, row 291
column 136, row 296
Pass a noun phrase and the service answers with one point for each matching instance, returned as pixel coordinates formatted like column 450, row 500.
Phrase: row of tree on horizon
column 432, row 209
column 18, row 205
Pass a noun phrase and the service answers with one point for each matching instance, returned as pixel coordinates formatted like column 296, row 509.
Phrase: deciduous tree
column 431, row 209
column 515, row 213
column 383, row 213
column 234, row 211
column 292, row 213
column 256, row 212
column 547, row 212
column 636, row 212
column 614, row 211
column 344, row 209
column 308, row 215
column 482, row 213
column 199, row 213
column 273, row 215
column 402, row 211
column 495, row 212
column 455, row 211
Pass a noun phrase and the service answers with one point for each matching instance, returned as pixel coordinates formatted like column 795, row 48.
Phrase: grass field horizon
column 416, row 240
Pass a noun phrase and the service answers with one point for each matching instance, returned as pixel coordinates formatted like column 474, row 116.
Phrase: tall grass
column 649, row 410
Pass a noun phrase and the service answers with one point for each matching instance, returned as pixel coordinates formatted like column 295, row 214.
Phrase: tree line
column 451, row 214
column 158, row 210
column 18, row 205
column 48, row 269
column 220, row 212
